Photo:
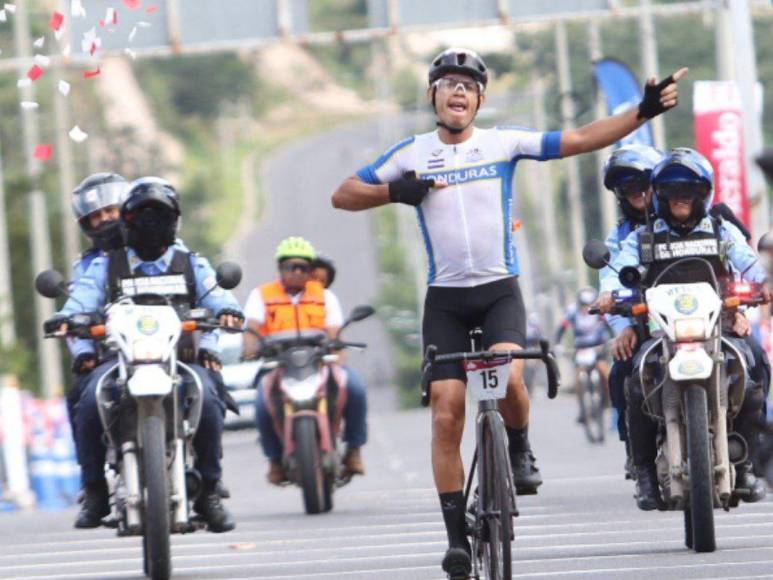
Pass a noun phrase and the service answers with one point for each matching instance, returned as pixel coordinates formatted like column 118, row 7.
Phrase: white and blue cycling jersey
column 466, row 226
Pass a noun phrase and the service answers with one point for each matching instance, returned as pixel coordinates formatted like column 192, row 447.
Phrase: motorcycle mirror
column 51, row 284
column 228, row 275
column 630, row 277
column 595, row 254
column 361, row 312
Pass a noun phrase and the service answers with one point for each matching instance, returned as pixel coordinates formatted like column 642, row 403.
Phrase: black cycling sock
column 452, row 505
column 518, row 439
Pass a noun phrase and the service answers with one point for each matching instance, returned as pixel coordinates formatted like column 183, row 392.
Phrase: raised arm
column 658, row 98
column 356, row 195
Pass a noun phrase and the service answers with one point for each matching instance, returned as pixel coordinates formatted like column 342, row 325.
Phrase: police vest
column 660, row 250
column 282, row 315
column 178, row 283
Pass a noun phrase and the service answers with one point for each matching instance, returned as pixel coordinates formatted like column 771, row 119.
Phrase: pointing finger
column 681, row 73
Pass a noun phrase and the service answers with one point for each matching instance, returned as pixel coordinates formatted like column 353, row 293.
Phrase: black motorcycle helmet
column 462, row 61
column 151, row 215
column 327, row 263
column 99, row 191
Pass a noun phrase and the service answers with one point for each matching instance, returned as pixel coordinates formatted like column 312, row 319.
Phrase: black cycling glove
column 207, row 356
column 84, row 363
column 650, row 105
column 409, row 190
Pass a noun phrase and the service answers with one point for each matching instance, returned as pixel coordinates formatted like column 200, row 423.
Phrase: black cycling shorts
column 451, row 313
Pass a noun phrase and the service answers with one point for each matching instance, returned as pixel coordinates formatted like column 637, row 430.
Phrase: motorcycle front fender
column 150, row 381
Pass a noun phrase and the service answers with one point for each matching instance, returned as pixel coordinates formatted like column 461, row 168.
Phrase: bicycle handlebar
column 543, row 353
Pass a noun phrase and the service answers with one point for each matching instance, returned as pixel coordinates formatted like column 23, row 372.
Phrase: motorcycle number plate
column 487, row 380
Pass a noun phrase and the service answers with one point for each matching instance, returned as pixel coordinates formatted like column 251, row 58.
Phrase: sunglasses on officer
column 632, row 187
column 302, row 267
column 682, row 191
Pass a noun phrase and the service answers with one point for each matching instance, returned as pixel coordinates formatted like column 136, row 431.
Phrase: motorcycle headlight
column 147, row 350
column 690, row 329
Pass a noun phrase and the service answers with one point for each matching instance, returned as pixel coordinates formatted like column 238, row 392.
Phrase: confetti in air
column 43, row 152
column 21, row 83
column 131, row 4
column 39, row 42
column 132, row 34
column 29, row 105
column 91, row 73
column 64, row 88
column 42, row 60
column 78, row 135
column 144, row 24
column 34, row 73
column 131, row 53
column 10, row 8
column 112, row 16
column 3, row 16
column 77, row 10
column 56, row 20
column 90, row 41
column 151, row 9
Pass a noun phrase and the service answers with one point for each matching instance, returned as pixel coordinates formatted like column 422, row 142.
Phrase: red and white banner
column 719, row 137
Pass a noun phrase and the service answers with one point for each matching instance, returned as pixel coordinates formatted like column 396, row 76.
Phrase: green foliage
column 198, row 85
column 328, row 15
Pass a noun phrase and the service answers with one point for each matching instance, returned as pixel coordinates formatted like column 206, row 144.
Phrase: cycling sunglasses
column 295, row 266
column 451, row 84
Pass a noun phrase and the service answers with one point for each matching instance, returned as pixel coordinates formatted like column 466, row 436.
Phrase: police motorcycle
column 694, row 385
column 305, row 393
column 148, row 418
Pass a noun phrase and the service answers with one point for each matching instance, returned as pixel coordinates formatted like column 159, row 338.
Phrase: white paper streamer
column 64, row 88
column 78, row 135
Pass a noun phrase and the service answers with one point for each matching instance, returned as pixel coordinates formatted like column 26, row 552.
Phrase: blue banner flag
column 621, row 92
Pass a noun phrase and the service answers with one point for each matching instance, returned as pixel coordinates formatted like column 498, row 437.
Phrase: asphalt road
column 387, row 525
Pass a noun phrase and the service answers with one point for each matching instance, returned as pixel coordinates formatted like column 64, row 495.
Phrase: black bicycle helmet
column 459, row 60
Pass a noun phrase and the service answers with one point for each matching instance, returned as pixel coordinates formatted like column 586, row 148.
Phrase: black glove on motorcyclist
column 232, row 312
column 54, row 323
column 207, row 356
column 81, row 366
column 650, row 105
column 409, row 190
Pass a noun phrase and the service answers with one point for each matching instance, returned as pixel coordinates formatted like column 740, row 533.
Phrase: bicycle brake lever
column 551, row 366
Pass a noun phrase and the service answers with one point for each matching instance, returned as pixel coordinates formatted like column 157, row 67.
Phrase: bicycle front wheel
column 496, row 501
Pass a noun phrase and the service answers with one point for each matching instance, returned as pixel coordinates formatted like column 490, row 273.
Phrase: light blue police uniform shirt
column 89, row 290
column 738, row 253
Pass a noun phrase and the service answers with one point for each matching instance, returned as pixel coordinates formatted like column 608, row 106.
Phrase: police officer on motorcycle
column 150, row 216
column 682, row 183
column 96, row 203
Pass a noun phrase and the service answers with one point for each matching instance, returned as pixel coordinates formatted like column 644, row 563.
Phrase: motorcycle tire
column 496, row 497
column 701, row 470
column 316, row 486
column 157, row 552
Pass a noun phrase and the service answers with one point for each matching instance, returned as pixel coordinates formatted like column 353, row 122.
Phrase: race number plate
column 487, row 380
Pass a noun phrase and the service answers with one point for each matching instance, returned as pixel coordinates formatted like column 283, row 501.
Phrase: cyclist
column 683, row 183
column 297, row 302
column 589, row 330
column 459, row 179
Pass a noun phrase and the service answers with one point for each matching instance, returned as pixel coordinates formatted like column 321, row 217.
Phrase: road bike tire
column 157, row 552
column 701, row 470
column 496, row 500
column 317, row 490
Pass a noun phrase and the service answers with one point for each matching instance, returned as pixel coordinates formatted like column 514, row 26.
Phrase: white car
column 239, row 378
